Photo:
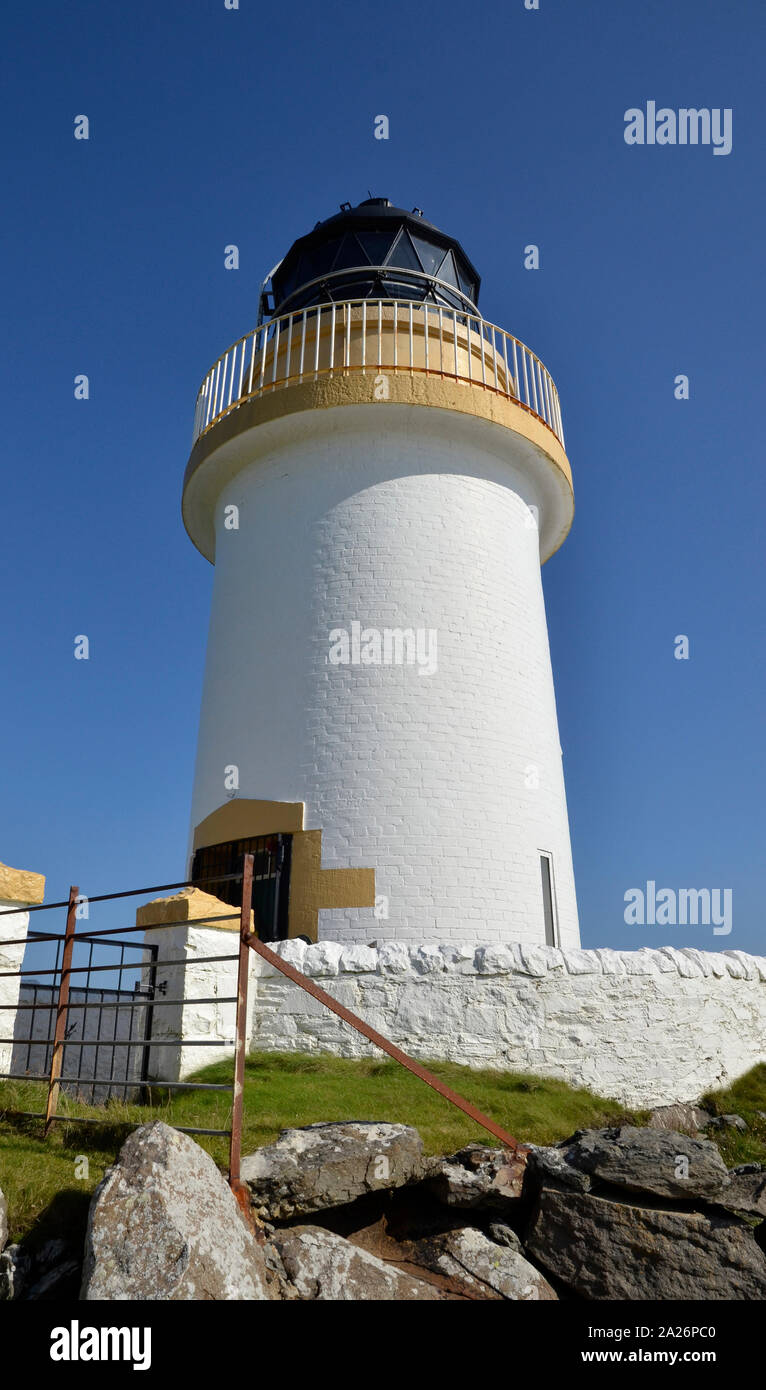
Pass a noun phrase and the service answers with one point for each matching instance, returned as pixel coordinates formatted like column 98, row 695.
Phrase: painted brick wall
column 449, row 785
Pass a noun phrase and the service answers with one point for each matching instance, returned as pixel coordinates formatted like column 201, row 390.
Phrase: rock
column 746, row 1191
column 51, row 1270
column 682, row 1118
column 14, row 1273
column 504, row 1235
column 548, row 1167
column 648, row 1160
column 323, row 1266
column 479, row 1178
column 163, row 1225
column 483, row 1268
column 729, row 1122
column 3, row 1219
column 328, row 1165
column 601, row 1248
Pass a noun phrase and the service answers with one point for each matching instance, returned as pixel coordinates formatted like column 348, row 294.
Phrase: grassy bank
column 46, row 1196
column 38, row 1176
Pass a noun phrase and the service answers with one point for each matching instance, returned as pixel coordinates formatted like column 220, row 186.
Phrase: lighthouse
column 377, row 475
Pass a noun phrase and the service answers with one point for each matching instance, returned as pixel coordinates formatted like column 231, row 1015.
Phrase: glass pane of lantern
column 403, row 254
column 430, row 255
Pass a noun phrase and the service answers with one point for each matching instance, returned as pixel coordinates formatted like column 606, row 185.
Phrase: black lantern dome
column 374, row 251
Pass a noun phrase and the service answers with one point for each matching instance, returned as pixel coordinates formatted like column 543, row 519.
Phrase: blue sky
column 212, row 126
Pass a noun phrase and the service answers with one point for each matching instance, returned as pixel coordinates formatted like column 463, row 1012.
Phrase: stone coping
column 21, row 886
column 328, row 958
column 190, row 905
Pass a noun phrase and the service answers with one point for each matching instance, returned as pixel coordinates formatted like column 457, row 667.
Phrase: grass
column 45, row 1198
column 747, row 1097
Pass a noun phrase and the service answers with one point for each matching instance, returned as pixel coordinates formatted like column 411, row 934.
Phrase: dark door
column 271, row 878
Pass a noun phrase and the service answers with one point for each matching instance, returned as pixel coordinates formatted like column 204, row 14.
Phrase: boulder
column 328, row 1165
column 682, row 1118
column 322, row 1266
column 646, row 1160
column 746, row 1191
column 46, row 1270
column 164, row 1225
column 604, row 1249
column 14, row 1272
column 479, row 1178
column 504, row 1235
column 729, row 1122
column 549, row 1167
column 483, row 1268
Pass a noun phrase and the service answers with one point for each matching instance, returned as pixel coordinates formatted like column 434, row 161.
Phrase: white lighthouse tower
column 377, row 475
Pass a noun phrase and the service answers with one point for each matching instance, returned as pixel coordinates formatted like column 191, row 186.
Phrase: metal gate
column 271, row 878
column 110, row 1002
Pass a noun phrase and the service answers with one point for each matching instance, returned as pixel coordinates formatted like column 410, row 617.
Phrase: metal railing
column 376, row 336
column 53, row 1073
column 61, row 986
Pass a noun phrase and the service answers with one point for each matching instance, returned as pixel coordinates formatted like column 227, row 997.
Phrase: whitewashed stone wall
column 642, row 1027
column 212, row 1025
column 12, row 928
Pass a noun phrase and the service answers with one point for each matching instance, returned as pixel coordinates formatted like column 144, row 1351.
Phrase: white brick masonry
column 448, row 785
column 11, row 957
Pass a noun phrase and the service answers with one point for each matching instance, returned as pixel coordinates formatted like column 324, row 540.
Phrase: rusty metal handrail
column 248, row 941
column 506, row 1139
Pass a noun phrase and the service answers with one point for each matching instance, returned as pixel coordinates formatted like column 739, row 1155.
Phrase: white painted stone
column 638, row 962
column 653, row 1027
column 12, row 928
column 394, row 957
column 582, row 963
column 358, row 958
column 457, row 953
column 186, row 981
column 611, row 961
column 699, row 958
column 323, row 958
column 749, row 963
column 534, row 960
column 494, row 960
column 292, row 951
column 427, row 960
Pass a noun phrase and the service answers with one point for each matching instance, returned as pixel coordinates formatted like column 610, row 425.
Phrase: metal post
column 235, row 1145
column 57, row 1057
column 148, row 1023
